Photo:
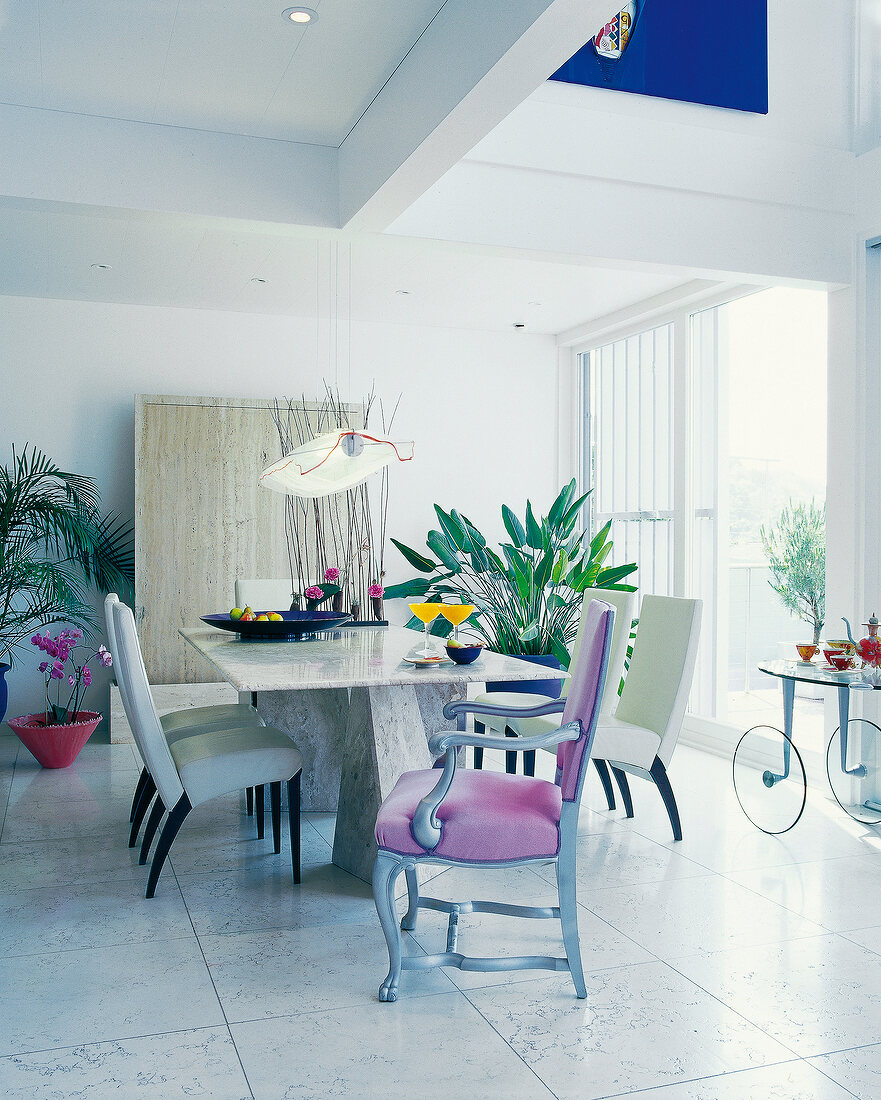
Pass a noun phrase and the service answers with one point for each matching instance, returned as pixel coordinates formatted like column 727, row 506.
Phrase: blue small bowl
column 464, row 655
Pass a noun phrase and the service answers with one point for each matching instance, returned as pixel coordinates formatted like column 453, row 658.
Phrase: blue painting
column 700, row 51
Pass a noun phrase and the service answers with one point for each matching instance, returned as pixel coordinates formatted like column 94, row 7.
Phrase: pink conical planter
column 54, row 746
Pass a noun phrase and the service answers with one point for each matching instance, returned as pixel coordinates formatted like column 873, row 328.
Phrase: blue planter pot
column 551, row 688
column 4, row 690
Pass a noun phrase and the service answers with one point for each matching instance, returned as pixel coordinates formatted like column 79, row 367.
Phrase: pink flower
column 37, row 640
column 87, row 676
column 106, row 659
column 44, row 666
column 70, row 680
column 332, row 575
column 313, row 592
column 376, row 591
column 56, row 673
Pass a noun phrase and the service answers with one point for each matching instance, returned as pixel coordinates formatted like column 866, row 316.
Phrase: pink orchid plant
column 78, row 676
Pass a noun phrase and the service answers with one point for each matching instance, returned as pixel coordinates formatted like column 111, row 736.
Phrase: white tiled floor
column 731, row 965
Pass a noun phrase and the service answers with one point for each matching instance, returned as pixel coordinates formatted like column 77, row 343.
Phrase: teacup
column 841, row 661
column 807, row 650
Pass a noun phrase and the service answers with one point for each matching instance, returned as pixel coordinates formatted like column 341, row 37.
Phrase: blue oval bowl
column 464, row 655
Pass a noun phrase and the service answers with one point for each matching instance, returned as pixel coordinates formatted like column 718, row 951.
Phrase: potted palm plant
column 528, row 596
column 54, row 540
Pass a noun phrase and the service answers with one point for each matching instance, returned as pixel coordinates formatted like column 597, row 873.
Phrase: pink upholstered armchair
column 486, row 819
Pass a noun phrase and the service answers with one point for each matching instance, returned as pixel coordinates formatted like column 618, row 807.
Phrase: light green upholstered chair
column 203, row 765
column 624, row 604
column 639, row 738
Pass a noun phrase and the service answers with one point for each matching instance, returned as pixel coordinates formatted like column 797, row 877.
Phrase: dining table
column 358, row 711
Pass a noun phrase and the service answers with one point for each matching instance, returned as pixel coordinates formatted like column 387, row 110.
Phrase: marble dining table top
column 357, row 657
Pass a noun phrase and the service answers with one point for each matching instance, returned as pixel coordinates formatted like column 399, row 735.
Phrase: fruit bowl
column 464, row 654
column 291, row 626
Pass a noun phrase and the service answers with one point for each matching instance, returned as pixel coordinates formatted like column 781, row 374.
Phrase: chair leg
column 603, row 772
column 662, row 782
column 624, row 788
column 139, row 790
column 385, row 871
column 478, row 753
column 166, row 837
column 275, row 806
column 144, row 805
column 409, row 919
column 569, row 917
column 150, row 831
column 294, row 824
column 249, row 801
column 510, row 757
column 258, row 810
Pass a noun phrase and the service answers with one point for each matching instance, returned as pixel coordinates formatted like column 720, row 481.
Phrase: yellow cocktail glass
column 456, row 613
column 426, row 613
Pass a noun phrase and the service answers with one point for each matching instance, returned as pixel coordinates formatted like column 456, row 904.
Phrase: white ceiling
column 237, row 67
column 213, row 264
column 232, row 66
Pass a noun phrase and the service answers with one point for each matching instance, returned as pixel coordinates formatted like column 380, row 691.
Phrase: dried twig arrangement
column 345, row 531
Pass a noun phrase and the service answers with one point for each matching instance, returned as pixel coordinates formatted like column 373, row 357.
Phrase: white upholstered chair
column 264, row 595
column 624, row 604
column 177, row 724
column 214, row 761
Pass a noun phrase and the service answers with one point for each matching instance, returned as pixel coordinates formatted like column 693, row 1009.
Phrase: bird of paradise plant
column 528, row 597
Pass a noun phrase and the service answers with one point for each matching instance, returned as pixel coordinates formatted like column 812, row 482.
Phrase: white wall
column 481, row 406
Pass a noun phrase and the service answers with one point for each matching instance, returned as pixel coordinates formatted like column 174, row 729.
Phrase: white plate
column 427, row 662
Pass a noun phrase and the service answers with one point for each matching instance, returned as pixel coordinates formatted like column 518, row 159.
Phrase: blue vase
column 551, row 688
column 4, row 690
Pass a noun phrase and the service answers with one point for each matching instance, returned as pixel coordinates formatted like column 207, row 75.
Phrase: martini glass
column 426, row 613
column 456, row 613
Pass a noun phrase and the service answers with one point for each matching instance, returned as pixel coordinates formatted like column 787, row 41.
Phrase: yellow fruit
column 275, row 617
column 261, row 618
column 453, row 644
column 248, row 610
column 236, row 613
column 247, row 616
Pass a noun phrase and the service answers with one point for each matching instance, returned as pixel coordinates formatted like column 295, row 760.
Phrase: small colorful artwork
column 692, row 50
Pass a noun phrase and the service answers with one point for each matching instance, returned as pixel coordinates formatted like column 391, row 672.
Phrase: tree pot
column 4, row 690
column 54, row 746
column 551, row 688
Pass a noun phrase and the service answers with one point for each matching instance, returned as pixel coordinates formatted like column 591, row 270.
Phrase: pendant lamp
column 332, row 463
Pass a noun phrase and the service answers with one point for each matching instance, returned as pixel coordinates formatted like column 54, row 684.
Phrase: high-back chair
column 203, row 765
column 625, row 605
column 476, row 819
column 264, row 595
column 641, row 735
column 176, row 725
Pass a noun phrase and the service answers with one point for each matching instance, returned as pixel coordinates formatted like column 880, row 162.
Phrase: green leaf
column 558, row 508
column 417, row 560
column 466, row 537
column 543, row 569
column 560, row 652
column 513, row 526
column 529, row 633
column 533, row 531
column 444, row 549
column 408, row 589
column 453, row 529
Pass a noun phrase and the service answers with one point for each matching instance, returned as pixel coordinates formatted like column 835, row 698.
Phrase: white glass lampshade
column 332, row 463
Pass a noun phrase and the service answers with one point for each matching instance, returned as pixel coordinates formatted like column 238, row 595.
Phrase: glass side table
column 773, row 798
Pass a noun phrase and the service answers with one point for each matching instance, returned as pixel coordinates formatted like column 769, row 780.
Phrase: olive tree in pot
column 528, row 596
column 54, row 541
column 796, row 550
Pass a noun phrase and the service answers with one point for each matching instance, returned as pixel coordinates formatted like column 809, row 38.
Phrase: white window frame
column 675, row 308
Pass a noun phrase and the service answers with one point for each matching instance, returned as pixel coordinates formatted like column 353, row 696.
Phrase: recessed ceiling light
column 535, row 303
column 101, row 267
column 301, row 15
column 402, row 292
column 257, row 279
